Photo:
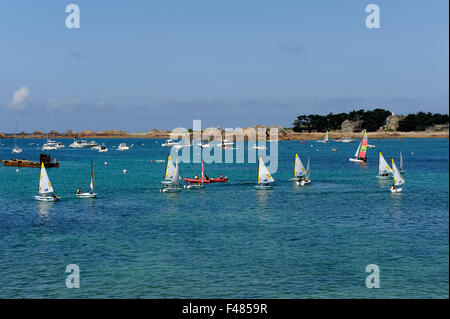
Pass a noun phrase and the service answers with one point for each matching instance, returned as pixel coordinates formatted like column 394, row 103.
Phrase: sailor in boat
column 393, row 187
column 79, row 191
column 196, row 176
column 221, row 176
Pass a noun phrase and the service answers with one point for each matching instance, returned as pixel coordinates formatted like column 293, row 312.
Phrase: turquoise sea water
column 228, row 240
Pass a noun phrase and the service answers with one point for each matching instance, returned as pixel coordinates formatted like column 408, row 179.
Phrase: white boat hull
column 397, row 190
column 46, row 199
column 193, row 186
column 356, row 160
column 170, row 190
column 383, row 177
column 86, row 195
column 262, row 187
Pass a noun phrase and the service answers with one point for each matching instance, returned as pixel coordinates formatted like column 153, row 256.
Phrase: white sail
column 383, row 166
column 307, row 170
column 326, row 137
column 44, row 182
column 357, row 151
column 401, row 161
column 299, row 169
column 92, row 185
column 170, row 169
column 263, row 174
column 176, row 176
column 398, row 179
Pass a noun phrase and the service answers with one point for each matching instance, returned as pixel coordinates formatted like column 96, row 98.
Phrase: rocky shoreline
column 283, row 134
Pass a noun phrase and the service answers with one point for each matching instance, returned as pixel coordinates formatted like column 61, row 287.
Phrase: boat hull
column 26, row 163
column 193, row 186
column 46, row 199
column 262, row 187
column 397, row 190
column 383, row 177
column 170, row 190
column 86, row 195
column 356, row 160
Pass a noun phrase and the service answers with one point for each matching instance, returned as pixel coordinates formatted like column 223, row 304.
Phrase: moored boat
column 44, row 158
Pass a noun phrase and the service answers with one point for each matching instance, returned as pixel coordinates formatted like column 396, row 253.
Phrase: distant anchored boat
column 44, row 158
column 79, row 144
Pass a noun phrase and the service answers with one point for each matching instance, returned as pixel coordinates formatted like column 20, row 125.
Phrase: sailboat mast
column 92, row 176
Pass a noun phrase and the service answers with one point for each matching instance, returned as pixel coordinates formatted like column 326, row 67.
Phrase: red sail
column 362, row 151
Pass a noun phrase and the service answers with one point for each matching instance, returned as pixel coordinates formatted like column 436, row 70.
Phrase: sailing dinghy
column 264, row 177
column 91, row 193
column 325, row 140
column 306, row 179
column 398, row 179
column 360, row 155
column 172, row 185
column 384, row 169
column 45, row 188
column 299, row 169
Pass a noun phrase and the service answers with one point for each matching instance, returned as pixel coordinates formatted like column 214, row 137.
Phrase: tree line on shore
column 371, row 121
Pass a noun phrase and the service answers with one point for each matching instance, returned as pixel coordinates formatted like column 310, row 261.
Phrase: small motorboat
column 123, row 147
column 169, row 143
column 103, row 149
column 79, row 144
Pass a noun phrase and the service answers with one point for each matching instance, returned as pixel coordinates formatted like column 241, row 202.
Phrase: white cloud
column 67, row 105
column 18, row 101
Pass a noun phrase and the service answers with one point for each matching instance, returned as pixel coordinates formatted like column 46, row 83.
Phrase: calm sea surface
column 228, row 240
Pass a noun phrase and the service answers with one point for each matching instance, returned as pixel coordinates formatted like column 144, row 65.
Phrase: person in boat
column 206, row 177
column 221, row 176
column 79, row 191
column 54, row 196
column 393, row 187
column 196, row 176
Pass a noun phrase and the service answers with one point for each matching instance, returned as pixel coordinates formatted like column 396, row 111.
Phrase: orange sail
column 362, row 151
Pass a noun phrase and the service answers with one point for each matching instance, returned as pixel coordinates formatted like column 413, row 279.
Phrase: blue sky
column 137, row 65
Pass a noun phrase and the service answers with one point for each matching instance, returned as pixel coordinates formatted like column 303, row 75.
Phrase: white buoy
column 124, row 171
column 412, row 153
column 17, row 170
column 106, row 163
